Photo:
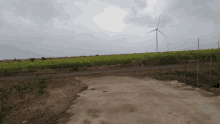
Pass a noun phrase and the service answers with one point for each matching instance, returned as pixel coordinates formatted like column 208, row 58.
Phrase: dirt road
column 127, row 100
column 97, row 70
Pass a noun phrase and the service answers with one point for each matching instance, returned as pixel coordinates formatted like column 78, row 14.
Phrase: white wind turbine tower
column 156, row 35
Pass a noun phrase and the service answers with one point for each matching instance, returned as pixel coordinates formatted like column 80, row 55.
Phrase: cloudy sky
column 57, row 28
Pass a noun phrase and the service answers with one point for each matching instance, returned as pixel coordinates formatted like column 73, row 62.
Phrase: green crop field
column 111, row 60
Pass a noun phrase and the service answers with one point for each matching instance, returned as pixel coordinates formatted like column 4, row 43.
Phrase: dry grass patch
column 22, row 103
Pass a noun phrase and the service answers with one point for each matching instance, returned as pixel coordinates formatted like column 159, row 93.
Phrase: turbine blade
column 162, row 33
column 158, row 22
column 151, row 31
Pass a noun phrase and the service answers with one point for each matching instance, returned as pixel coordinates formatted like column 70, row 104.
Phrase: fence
column 203, row 74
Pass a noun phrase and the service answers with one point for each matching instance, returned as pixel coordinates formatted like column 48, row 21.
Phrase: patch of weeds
column 168, row 60
column 2, row 111
column 191, row 74
column 32, row 70
column 74, row 69
column 36, row 75
column 20, row 87
column 213, row 72
column 5, row 73
column 15, row 85
column 215, row 83
column 41, row 85
column 177, row 72
column 6, row 96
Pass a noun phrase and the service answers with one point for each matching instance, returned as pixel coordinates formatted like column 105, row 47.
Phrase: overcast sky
column 58, row 28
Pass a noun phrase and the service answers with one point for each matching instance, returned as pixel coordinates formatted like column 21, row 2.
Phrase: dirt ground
column 126, row 86
column 121, row 99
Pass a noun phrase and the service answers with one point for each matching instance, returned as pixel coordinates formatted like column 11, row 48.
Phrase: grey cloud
column 28, row 47
column 140, row 20
column 34, row 9
column 204, row 10
column 40, row 11
column 128, row 3
column 134, row 5
column 147, row 20
column 134, row 11
column 0, row 24
column 11, row 52
column 15, row 29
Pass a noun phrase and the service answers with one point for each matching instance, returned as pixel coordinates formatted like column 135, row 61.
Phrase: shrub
column 43, row 58
column 167, row 60
column 41, row 85
column 32, row 59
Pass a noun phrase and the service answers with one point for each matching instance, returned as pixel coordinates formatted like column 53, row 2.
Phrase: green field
column 162, row 58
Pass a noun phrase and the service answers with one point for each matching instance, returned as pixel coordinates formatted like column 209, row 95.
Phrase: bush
column 32, row 59
column 41, row 85
column 167, row 60
column 43, row 58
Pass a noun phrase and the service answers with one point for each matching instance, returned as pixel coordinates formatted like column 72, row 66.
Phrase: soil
column 121, row 99
column 61, row 101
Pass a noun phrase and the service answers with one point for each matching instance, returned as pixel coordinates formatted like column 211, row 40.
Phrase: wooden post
column 218, row 87
column 210, row 68
column 185, row 72
column 218, row 45
column 198, row 66
column 1, row 106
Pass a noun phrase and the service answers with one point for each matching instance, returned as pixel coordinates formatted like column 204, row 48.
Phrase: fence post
column 218, row 87
column 185, row 72
column 198, row 66
column 210, row 68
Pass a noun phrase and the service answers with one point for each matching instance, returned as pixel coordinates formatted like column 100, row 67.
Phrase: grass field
column 162, row 58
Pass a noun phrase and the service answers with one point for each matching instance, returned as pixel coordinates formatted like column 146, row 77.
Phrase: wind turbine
column 156, row 35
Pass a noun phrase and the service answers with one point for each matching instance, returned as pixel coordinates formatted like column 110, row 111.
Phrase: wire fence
column 199, row 73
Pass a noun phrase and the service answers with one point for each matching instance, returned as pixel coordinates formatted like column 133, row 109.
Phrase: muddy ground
column 62, row 89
